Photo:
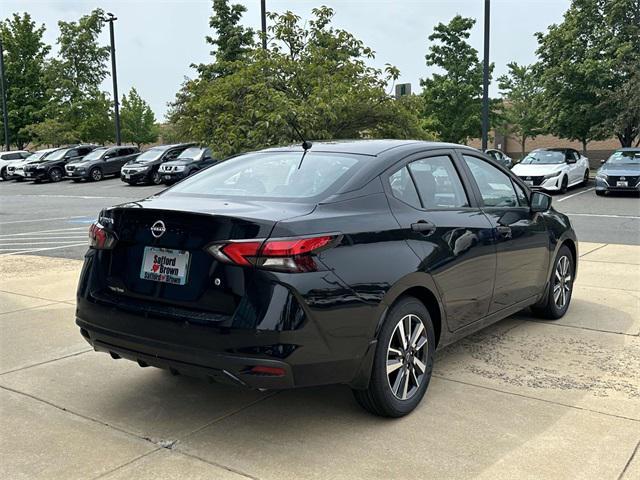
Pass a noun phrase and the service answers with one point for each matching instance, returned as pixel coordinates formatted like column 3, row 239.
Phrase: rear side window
column 438, row 183
column 403, row 188
column 283, row 175
column 495, row 186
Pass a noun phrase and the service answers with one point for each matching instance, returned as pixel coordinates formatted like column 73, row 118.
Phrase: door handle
column 424, row 227
column 504, row 231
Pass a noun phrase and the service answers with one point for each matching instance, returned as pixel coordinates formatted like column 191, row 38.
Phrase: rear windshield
column 544, row 157
column 625, row 157
column 277, row 175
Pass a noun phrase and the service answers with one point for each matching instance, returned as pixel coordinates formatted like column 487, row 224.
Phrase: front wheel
column 156, row 179
column 560, row 287
column 4, row 174
column 55, row 174
column 95, row 174
column 564, row 185
column 403, row 361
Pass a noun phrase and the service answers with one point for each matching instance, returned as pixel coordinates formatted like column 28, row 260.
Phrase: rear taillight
column 284, row 255
column 100, row 238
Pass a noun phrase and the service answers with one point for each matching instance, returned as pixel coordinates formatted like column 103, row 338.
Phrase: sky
column 158, row 40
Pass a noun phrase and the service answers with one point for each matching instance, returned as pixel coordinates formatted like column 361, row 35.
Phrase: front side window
column 438, row 183
column 523, row 199
column 403, row 188
column 495, row 186
column 285, row 175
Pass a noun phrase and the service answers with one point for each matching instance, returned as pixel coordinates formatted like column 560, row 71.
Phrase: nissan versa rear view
column 341, row 262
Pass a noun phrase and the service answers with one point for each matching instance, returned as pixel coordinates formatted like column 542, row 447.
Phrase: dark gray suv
column 100, row 163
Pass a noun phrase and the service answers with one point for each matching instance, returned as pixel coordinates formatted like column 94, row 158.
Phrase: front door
column 448, row 231
column 521, row 239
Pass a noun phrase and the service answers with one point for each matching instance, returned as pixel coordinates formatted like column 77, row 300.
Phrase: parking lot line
column 19, row 252
column 59, row 230
column 35, row 220
column 575, row 194
column 602, row 215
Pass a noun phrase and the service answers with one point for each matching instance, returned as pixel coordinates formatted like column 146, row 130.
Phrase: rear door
column 520, row 236
column 447, row 230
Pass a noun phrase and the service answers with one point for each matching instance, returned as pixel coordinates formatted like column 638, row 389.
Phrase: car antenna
column 306, row 144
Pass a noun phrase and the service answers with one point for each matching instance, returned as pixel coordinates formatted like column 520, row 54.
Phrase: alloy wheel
column 562, row 283
column 155, row 178
column 55, row 175
column 407, row 357
column 96, row 174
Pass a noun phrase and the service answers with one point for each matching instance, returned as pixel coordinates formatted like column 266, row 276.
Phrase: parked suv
column 101, row 162
column 8, row 157
column 145, row 168
column 187, row 163
column 52, row 166
column 15, row 168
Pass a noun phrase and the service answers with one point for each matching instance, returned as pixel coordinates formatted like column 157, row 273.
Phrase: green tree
column 523, row 112
column 138, row 120
column 313, row 77
column 585, row 61
column 232, row 41
column 52, row 132
column 453, row 99
column 74, row 79
column 24, row 62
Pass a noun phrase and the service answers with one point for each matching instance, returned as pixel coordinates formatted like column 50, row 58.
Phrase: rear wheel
column 95, row 174
column 403, row 361
column 55, row 174
column 560, row 287
column 585, row 180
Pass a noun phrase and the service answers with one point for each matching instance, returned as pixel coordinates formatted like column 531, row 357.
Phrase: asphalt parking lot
column 523, row 398
column 52, row 219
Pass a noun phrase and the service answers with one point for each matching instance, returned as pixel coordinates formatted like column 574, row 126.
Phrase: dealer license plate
column 622, row 184
column 165, row 265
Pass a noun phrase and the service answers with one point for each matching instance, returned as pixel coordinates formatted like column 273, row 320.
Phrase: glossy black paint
column 135, row 172
column 320, row 327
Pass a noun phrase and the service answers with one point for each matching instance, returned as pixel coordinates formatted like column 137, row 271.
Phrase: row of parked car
column 557, row 169
column 160, row 164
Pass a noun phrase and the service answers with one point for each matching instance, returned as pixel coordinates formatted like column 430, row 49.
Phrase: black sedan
column 192, row 160
column 145, row 168
column 620, row 172
column 101, row 162
column 52, row 166
column 349, row 262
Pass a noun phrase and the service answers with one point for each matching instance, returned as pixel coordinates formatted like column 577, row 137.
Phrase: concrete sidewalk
column 522, row 399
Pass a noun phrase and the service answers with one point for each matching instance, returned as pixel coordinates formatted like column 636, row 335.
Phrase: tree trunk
column 523, row 143
column 584, row 147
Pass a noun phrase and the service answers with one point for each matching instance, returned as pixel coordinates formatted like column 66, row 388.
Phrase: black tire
column 55, row 174
column 76, row 180
column 585, row 180
column 415, row 365
column 95, row 174
column 600, row 193
column 155, row 178
column 552, row 308
column 564, row 186
column 4, row 174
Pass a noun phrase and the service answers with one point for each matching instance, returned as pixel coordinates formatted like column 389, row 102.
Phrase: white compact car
column 553, row 169
column 15, row 169
column 9, row 157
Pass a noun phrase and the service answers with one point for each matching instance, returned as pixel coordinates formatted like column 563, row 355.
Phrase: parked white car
column 15, row 168
column 8, row 157
column 553, row 169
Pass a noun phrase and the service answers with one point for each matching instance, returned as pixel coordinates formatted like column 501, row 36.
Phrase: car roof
column 628, row 149
column 362, row 147
column 173, row 145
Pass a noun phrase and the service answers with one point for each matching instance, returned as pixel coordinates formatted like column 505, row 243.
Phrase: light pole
column 263, row 16
column 485, row 78
column 3, row 87
column 116, row 102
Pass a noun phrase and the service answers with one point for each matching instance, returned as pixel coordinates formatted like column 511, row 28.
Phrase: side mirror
column 540, row 202
column 571, row 160
column 602, row 162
